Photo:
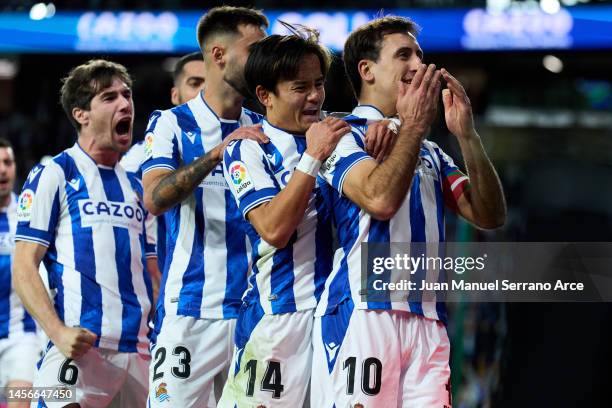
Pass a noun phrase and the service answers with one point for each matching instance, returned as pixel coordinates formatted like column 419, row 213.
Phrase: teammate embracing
column 390, row 353
column 290, row 228
column 207, row 255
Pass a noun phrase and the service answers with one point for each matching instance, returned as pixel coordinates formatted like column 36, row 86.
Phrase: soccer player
column 276, row 190
column 207, row 258
column 390, row 353
column 82, row 214
column 188, row 78
column 19, row 342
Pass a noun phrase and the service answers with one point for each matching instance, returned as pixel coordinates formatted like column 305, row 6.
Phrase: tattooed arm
column 163, row 189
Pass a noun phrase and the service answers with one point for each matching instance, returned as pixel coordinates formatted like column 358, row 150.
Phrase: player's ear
column 81, row 116
column 217, row 54
column 174, row 96
column 364, row 67
column 263, row 96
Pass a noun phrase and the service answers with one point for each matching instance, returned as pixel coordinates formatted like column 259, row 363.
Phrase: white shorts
column 272, row 360
column 18, row 358
column 98, row 377
column 379, row 358
column 190, row 359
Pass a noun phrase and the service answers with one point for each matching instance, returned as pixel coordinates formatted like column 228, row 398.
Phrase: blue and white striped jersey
column 132, row 163
column 420, row 219
column 14, row 319
column 92, row 221
column 285, row 279
column 207, row 253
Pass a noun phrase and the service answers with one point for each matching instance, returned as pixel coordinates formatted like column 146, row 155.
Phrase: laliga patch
column 241, row 180
column 148, row 145
column 24, row 205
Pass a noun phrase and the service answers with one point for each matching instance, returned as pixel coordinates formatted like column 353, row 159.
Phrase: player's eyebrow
column 114, row 92
column 409, row 51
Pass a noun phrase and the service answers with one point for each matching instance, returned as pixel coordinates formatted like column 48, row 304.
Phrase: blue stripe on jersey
column 282, row 278
column 131, row 312
column 84, row 261
column 190, row 298
column 238, row 263
column 29, row 325
column 161, row 241
column 55, row 270
column 255, row 117
column 379, row 233
column 153, row 118
column 323, row 245
column 439, row 205
column 417, row 228
column 346, row 212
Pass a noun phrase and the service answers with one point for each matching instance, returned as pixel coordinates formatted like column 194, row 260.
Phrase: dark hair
column 278, row 57
column 225, row 20
column 5, row 143
column 85, row 81
column 366, row 41
column 184, row 60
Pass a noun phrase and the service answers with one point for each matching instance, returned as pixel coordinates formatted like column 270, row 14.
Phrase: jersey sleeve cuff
column 344, row 166
column 252, row 200
column 36, row 240
column 159, row 163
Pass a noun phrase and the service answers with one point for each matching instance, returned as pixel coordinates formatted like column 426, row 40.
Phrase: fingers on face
column 426, row 83
column 418, row 77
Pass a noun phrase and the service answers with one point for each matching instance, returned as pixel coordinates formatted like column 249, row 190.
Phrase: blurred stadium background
column 539, row 75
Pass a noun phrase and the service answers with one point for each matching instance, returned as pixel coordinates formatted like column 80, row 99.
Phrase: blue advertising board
column 443, row 30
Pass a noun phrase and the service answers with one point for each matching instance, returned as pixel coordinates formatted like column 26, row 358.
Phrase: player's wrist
column 309, row 165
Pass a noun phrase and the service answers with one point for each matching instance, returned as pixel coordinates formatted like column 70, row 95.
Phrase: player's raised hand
column 457, row 107
column 253, row 132
column 74, row 342
column 322, row 137
column 379, row 139
column 417, row 102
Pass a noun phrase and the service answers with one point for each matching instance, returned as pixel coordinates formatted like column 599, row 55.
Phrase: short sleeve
column 161, row 150
column 38, row 207
column 349, row 151
column 249, row 175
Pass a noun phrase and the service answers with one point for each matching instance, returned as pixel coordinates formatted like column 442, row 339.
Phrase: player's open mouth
column 310, row 112
column 123, row 126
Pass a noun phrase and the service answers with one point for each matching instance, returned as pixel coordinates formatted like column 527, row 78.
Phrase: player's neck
column 224, row 100
column 387, row 107
column 103, row 156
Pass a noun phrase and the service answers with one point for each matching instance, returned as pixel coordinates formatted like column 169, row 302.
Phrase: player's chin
column 123, row 142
